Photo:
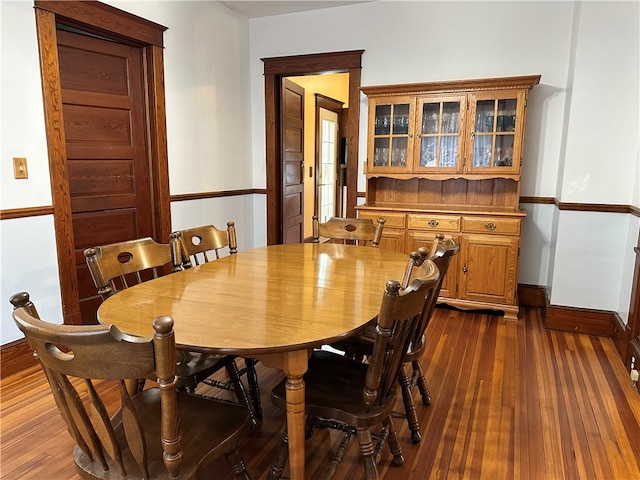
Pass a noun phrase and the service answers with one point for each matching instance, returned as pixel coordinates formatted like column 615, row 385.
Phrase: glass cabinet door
column 391, row 146
column 496, row 125
column 439, row 138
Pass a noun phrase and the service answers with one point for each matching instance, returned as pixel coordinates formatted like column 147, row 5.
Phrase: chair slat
column 103, row 427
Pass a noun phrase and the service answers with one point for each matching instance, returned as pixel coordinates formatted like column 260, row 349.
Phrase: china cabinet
column 445, row 157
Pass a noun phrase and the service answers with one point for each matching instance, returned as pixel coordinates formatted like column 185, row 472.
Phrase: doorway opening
column 327, row 172
column 331, row 139
column 275, row 70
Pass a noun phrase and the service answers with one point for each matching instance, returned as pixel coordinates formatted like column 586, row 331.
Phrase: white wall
column 603, row 126
column 23, row 133
column 588, row 56
column 599, row 162
column 28, row 259
column 29, row 262
column 207, row 93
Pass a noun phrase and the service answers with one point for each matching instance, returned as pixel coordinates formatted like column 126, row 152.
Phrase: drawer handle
column 490, row 226
column 433, row 223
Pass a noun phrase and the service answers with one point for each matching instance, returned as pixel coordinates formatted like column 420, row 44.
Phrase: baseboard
column 621, row 336
column 15, row 356
column 634, row 350
column 580, row 320
column 532, row 296
column 574, row 319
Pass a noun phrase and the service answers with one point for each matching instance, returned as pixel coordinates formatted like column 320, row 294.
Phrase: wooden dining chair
column 360, row 345
column 357, row 231
column 194, row 246
column 157, row 433
column 441, row 254
column 354, row 397
column 117, row 266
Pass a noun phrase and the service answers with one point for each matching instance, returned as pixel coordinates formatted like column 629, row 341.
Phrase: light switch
column 20, row 167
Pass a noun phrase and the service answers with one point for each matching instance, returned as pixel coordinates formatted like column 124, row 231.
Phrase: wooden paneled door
column 107, row 161
column 103, row 92
column 293, row 162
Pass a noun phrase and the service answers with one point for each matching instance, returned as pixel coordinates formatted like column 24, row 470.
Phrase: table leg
column 294, row 365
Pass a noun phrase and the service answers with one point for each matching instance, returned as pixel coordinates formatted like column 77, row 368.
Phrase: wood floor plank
column 510, row 400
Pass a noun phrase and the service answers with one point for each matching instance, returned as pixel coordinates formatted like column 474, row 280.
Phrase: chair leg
column 241, row 394
column 409, row 406
column 422, row 383
column 237, row 465
column 339, row 455
column 280, row 458
column 381, row 440
column 309, row 427
column 366, row 451
column 254, row 389
column 394, row 444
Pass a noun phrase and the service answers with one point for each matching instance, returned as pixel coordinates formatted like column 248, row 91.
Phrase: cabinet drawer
column 434, row 222
column 499, row 226
column 393, row 219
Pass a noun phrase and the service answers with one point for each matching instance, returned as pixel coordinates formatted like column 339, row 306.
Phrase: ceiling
column 267, row 8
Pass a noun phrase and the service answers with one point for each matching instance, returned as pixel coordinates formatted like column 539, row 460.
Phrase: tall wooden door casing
column 107, row 159
column 99, row 20
column 292, row 162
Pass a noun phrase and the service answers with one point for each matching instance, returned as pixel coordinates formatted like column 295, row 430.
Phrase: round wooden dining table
column 274, row 303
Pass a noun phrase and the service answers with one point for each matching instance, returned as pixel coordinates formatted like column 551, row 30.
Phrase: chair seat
column 333, row 388
column 193, row 367
column 210, row 425
column 360, row 344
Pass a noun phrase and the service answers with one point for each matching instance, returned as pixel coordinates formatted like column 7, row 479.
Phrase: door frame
column 312, row 64
column 115, row 24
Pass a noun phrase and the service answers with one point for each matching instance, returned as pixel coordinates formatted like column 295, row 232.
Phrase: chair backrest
column 78, row 359
column 358, row 231
column 193, row 246
column 400, row 310
column 441, row 254
column 116, row 266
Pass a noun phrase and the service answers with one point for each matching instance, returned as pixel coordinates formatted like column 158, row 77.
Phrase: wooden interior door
column 107, row 158
column 292, row 162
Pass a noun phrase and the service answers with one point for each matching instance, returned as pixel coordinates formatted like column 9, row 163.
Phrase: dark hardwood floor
column 511, row 400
